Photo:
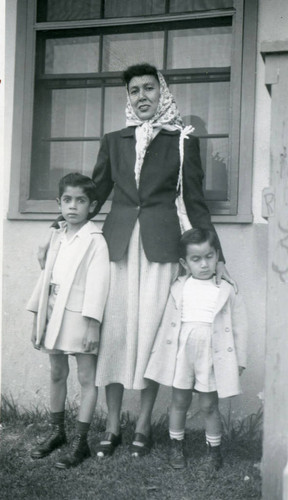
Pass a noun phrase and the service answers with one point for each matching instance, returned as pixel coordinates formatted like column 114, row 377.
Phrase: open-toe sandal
column 144, row 446
column 107, row 445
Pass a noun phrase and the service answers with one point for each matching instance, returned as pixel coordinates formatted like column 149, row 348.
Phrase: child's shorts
column 74, row 345
column 194, row 364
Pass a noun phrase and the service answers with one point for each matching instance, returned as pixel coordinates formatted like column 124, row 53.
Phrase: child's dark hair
column 79, row 180
column 139, row 70
column 196, row 236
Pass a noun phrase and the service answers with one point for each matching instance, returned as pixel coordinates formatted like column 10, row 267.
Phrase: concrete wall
column 25, row 371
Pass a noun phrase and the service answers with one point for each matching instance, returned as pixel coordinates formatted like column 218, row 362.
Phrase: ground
column 121, row 477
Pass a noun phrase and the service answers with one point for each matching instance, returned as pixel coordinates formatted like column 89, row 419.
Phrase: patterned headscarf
column 167, row 116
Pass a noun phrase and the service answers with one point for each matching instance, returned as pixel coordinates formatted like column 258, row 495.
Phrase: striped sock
column 178, row 435
column 213, row 440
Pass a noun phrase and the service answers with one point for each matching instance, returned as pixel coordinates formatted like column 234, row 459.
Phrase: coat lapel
column 43, row 299
column 128, row 145
column 59, row 307
column 225, row 290
column 66, row 286
column 177, row 290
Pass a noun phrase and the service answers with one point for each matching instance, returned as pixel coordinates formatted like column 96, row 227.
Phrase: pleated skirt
column 138, row 294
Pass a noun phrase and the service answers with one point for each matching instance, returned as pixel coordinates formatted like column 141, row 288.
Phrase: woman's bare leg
column 114, row 396
column 148, row 397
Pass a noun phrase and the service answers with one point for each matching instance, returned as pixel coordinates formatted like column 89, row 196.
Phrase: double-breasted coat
column 229, row 340
column 154, row 202
column 83, row 293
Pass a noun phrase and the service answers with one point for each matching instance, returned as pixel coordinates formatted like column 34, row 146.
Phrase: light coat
column 229, row 339
column 84, row 291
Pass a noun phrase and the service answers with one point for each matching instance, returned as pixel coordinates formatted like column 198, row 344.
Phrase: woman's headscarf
column 166, row 116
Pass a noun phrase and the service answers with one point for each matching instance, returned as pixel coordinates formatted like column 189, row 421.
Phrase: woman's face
column 144, row 93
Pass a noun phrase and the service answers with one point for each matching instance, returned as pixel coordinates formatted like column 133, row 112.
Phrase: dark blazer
column 154, row 202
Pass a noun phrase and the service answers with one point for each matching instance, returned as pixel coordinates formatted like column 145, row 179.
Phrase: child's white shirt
column 199, row 300
column 68, row 251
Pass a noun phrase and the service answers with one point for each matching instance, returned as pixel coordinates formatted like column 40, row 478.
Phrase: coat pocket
column 75, row 299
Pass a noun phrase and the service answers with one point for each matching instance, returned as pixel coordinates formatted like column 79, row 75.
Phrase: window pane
column 114, row 111
column 194, row 5
column 214, row 157
column 76, row 112
column 130, row 8
column 67, row 10
column 61, row 159
column 62, row 114
column 120, row 51
column 72, row 55
column 200, row 47
column 204, row 105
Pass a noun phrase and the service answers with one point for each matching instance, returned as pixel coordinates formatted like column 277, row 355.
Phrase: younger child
column 68, row 302
column 200, row 345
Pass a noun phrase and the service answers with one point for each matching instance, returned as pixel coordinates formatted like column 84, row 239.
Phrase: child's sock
column 178, row 435
column 213, row 440
column 82, row 428
column 57, row 418
column 56, row 438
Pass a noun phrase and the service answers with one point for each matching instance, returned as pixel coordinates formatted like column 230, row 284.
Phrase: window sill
column 216, row 219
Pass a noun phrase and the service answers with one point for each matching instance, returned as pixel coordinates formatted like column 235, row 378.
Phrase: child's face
column 200, row 260
column 75, row 206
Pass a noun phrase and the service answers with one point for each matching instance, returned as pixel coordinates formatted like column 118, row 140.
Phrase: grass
column 121, row 477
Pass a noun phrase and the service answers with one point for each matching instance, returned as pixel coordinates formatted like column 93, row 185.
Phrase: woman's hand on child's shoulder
column 91, row 339
column 222, row 273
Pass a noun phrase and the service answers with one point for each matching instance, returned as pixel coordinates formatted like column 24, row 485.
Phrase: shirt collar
column 83, row 232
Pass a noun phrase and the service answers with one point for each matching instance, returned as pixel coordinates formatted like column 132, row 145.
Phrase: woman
column 141, row 163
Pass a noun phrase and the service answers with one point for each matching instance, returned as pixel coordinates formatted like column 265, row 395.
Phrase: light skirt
column 138, row 294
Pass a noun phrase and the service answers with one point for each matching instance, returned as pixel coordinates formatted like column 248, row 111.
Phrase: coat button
column 173, row 324
column 169, row 342
column 227, row 329
column 229, row 349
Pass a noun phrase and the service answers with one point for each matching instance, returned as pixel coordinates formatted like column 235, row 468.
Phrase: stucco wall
column 25, row 371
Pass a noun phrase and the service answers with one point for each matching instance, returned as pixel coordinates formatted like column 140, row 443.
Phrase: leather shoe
column 177, row 458
column 56, row 438
column 107, row 445
column 79, row 452
column 212, row 462
column 144, row 446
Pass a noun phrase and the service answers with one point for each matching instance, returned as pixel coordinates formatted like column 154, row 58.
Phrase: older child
column 200, row 346
column 68, row 303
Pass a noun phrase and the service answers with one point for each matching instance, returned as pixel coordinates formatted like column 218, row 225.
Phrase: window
column 69, row 60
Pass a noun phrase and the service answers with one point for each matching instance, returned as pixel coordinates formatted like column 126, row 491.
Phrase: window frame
column 242, row 94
